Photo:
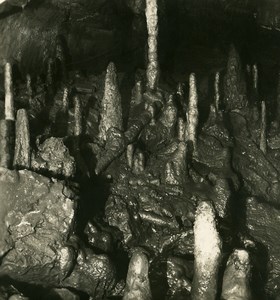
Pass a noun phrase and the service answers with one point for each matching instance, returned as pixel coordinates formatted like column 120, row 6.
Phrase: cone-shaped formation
column 207, row 253
column 152, row 26
column 217, row 91
column 137, row 281
column 234, row 83
column 192, row 114
column 236, row 281
column 111, row 107
column 129, row 155
column 169, row 115
column 22, row 144
column 263, row 139
column 9, row 95
column 78, row 119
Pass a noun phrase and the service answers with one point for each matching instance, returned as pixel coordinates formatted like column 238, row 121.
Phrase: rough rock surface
column 37, row 220
column 54, row 157
column 263, row 224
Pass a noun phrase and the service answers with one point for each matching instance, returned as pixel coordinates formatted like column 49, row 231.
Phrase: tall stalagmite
column 111, row 106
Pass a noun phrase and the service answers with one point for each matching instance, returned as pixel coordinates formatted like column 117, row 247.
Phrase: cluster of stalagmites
column 172, row 191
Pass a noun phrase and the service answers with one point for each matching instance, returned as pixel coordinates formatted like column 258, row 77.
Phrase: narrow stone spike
column 263, row 140
column 137, row 280
column 152, row 26
column 151, row 109
column 129, row 155
column 236, row 281
column 22, row 144
column 65, row 100
column 255, row 74
column 9, row 95
column 207, row 253
column 217, row 91
column 192, row 113
column 77, row 116
column 111, row 107
column 181, row 130
column 180, row 90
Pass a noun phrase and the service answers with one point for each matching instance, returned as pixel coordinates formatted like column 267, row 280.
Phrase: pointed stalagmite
column 207, row 253
column 77, row 116
column 192, row 113
column 137, row 280
column 111, row 107
column 137, row 93
column 152, row 26
column 9, row 95
column 139, row 163
column 263, row 139
column 235, row 97
column 236, row 281
column 217, row 91
column 22, row 144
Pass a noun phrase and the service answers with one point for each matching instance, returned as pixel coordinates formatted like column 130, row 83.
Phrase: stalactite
column 217, row 91
column 263, row 138
column 192, row 113
column 152, row 26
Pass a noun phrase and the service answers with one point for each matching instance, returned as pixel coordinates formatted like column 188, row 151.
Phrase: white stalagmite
column 181, row 130
column 255, row 76
column 263, row 141
column 137, row 280
column 192, row 113
column 207, row 253
column 217, row 91
column 139, row 163
column 111, row 107
column 237, row 275
column 152, row 26
column 9, row 96
column 77, row 116
column 65, row 100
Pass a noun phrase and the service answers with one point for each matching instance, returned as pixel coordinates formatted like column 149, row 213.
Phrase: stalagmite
column 255, row 74
column 22, row 144
column 65, row 100
column 137, row 281
column 78, row 128
column 152, row 26
column 236, row 281
column 217, row 91
column 192, row 114
column 7, row 126
column 263, row 139
column 9, row 95
column 151, row 109
column 207, row 253
column 181, row 130
column 129, row 155
column 111, row 107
